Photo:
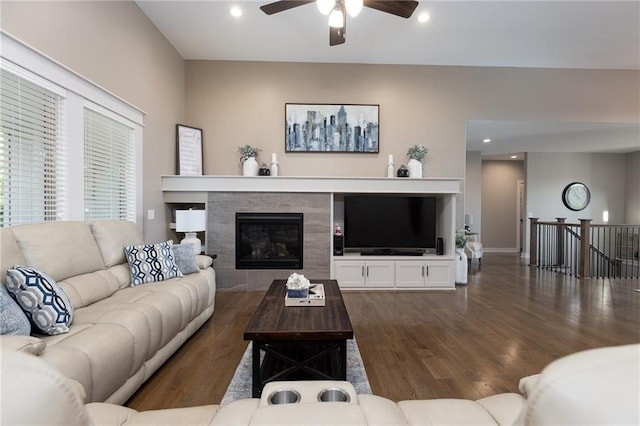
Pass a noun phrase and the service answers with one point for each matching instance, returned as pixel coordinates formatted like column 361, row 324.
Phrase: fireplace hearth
column 269, row 240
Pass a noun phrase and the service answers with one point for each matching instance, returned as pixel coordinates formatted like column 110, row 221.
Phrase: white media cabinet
column 353, row 271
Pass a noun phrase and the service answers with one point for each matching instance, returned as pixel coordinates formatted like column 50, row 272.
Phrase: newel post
column 560, row 240
column 585, row 244
column 533, row 241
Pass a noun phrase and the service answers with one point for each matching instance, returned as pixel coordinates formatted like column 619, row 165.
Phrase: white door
column 379, row 274
column 350, row 273
column 410, row 274
column 439, row 274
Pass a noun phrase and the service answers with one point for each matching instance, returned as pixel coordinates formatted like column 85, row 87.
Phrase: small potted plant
column 248, row 156
column 297, row 286
column 416, row 154
column 461, row 239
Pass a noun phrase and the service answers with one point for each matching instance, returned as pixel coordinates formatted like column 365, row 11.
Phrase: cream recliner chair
column 473, row 250
column 594, row 387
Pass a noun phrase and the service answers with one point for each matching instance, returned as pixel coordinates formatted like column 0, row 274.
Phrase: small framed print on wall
column 189, row 150
column 332, row 128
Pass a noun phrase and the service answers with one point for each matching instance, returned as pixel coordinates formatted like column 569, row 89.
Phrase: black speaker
column 338, row 245
column 439, row 246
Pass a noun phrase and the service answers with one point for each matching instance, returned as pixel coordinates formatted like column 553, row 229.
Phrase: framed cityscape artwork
column 332, row 128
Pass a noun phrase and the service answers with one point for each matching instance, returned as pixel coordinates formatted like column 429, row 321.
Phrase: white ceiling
column 514, row 33
column 548, row 34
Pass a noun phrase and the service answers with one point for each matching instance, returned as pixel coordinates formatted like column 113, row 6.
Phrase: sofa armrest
column 28, row 344
column 203, row 261
column 527, row 384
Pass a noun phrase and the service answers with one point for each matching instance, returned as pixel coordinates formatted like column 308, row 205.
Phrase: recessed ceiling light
column 487, row 140
column 236, row 11
column 514, row 157
column 423, row 17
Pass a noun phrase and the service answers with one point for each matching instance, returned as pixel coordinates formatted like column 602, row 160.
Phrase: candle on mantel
column 390, row 159
column 274, row 159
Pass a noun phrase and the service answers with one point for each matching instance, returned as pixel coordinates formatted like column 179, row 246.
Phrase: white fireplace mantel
column 309, row 184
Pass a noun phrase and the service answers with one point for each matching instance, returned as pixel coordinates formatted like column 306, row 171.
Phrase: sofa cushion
column 151, row 262
column 62, row 249
column 111, row 236
column 41, row 298
column 14, row 321
column 185, row 258
column 10, row 252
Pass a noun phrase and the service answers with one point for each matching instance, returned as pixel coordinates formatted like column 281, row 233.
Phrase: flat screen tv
column 385, row 224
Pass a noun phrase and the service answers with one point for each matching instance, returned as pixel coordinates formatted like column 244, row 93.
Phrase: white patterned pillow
column 41, row 298
column 151, row 262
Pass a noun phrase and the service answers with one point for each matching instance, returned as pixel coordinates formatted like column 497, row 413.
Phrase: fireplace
column 269, row 240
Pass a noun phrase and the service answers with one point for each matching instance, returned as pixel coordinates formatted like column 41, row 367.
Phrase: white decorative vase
column 461, row 266
column 415, row 169
column 250, row 167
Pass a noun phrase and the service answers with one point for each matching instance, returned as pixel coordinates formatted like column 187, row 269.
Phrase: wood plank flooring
column 508, row 322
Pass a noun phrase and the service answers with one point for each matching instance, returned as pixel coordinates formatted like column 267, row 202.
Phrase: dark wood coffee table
column 299, row 342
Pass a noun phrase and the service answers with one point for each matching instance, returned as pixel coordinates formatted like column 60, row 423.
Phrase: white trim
column 19, row 71
column 309, row 184
column 18, row 52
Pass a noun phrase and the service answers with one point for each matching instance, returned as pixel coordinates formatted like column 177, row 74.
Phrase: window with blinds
column 32, row 153
column 109, row 172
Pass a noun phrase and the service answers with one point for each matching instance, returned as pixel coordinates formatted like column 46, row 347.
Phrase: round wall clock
column 576, row 196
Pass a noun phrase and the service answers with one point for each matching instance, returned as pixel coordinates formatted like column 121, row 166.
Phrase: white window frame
column 78, row 92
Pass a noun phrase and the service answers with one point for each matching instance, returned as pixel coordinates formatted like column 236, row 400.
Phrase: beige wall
column 114, row 44
column 499, row 204
column 243, row 102
column 473, row 189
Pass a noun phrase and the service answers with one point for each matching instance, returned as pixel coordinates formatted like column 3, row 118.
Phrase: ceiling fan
column 338, row 9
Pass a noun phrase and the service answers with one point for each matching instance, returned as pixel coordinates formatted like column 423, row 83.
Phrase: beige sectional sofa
column 120, row 335
column 595, row 387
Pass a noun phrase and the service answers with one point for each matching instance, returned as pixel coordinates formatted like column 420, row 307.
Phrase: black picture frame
column 332, row 128
column 188, row 150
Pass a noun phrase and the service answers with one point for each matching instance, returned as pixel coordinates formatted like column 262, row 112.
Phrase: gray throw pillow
column 14, row 322
column 185, row 258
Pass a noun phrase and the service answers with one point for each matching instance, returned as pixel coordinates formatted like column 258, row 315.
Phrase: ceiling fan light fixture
column 336, row 18
column 354, row 7
column 325, row 6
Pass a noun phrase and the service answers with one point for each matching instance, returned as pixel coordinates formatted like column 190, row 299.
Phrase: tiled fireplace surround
column 222, row 208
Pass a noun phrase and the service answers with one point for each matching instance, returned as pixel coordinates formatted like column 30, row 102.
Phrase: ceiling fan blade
column 281, row 6
column 338, row 35
column 401, row 8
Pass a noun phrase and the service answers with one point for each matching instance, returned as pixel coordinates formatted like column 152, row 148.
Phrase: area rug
column 240, row 386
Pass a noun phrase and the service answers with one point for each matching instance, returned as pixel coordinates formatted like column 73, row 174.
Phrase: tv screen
column 389, row 222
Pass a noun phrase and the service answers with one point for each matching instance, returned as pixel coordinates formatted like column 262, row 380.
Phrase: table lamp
column 190, row 222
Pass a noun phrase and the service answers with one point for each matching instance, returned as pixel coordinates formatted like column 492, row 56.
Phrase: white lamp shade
column 191, row 220
column 354, row 7
column 336, row 18
column 468, row 219
column 325, row 6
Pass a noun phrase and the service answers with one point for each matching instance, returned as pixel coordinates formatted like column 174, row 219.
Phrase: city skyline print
column 332, row 128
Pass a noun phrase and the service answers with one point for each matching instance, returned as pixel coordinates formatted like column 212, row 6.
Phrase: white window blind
column 32, row 152
column 109, row 168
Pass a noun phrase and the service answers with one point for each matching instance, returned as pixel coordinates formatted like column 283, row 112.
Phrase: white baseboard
column 501, row 250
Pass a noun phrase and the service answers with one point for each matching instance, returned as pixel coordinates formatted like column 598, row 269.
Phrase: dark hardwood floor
column 508, row 322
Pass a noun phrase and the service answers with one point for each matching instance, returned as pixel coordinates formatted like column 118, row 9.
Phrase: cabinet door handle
column 367, row 271
column 423, row 270
column 362, row 272
column 427, row 270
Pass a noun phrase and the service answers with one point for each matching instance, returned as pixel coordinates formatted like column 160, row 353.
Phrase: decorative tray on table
column 314, row 298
